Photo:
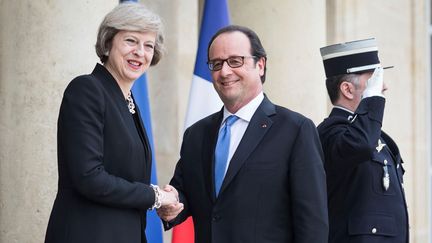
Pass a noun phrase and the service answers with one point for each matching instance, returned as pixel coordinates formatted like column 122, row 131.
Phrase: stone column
column 43, row 45
column 292, row 33
column 420, row 190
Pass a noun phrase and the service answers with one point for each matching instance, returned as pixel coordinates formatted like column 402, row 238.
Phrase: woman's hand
column 171, row 206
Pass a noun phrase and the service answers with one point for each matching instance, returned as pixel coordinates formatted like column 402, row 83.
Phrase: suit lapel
column 114, row 89
column 209, row 145
column 257, row 128
column 116, row 94
column 144, row 140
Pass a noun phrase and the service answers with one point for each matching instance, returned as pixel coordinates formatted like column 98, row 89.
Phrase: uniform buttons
column 374, row 230
column 397, row 166
column 385, row 162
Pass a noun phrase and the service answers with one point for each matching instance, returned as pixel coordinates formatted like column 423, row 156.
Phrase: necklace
column 131, row 104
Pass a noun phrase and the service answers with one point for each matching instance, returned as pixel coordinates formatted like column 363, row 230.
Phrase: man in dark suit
column 363, row 165
column 272, row 185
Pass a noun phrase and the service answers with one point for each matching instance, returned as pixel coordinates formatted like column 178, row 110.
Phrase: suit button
column 215, row 218
column 374, row 230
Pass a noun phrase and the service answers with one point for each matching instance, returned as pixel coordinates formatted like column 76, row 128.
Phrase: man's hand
column 169, row 195
column 171, row 206
column 375, row 84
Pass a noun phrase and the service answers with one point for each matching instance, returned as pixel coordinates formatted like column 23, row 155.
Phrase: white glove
column 375, row 84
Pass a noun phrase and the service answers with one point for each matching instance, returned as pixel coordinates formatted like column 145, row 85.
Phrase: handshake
column 167, row 202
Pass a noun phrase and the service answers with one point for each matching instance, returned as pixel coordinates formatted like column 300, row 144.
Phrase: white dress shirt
column 343, row 108
column 239, row 127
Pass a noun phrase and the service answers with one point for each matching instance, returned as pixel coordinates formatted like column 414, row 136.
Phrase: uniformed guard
column 364, row 168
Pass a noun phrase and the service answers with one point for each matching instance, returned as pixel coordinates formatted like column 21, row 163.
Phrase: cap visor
column 370, row 70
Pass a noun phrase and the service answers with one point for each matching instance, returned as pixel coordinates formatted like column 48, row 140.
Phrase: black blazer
column 274, row 190
column 360, row 209
column 104, row 166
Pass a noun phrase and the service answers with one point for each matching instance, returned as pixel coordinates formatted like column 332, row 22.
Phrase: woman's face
column 130, row 55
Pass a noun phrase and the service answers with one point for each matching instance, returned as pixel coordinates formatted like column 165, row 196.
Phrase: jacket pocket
column 372, row 224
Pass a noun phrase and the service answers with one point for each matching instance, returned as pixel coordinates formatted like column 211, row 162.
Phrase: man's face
column 236, row 86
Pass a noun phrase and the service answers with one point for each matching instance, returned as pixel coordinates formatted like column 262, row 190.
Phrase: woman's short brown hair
column 130, row 16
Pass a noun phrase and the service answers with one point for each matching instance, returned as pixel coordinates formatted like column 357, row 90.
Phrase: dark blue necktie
column 221, row 152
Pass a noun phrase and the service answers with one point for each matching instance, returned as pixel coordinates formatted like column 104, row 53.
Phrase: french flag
column 203, row 99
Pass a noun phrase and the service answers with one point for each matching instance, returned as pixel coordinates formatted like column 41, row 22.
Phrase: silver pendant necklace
column 131, row 104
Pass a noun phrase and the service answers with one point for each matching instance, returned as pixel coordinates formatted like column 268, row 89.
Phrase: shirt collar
column 246, row 112
column 343, row 108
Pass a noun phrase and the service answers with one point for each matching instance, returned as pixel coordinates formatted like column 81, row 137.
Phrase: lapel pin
column 380, row 145
column 263, row 125
column 351, row 119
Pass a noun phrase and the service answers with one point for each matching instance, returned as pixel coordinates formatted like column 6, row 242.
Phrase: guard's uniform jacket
column 364, row 177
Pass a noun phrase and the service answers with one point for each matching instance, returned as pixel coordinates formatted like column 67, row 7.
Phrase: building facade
column 44, row 44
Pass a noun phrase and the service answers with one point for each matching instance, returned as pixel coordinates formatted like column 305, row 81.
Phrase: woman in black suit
column 104, row 157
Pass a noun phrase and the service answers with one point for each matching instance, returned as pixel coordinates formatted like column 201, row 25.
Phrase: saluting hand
column 375, row 84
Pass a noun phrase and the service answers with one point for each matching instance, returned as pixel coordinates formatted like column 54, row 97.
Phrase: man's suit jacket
column 274, row 189
column 104, row 164
column 361, row 210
